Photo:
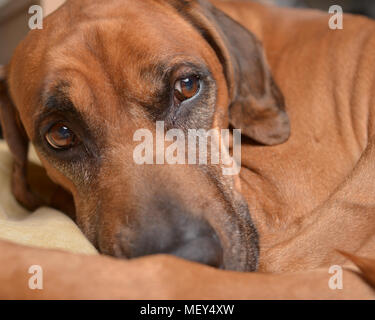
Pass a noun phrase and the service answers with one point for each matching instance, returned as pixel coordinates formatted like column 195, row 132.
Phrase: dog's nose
column 178, row 234
column 205, row 249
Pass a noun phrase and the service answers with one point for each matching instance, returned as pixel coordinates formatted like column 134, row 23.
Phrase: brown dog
column 83, row 90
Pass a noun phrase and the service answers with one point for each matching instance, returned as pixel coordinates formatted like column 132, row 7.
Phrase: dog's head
column 79, row 90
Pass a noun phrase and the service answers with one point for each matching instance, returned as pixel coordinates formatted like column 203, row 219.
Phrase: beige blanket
column 45, row 227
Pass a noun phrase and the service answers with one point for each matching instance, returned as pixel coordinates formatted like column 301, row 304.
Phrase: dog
column 299, row 92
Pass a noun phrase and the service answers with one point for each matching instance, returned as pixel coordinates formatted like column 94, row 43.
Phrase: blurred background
column 14, row 16
column 14, row 19
column 365, row 7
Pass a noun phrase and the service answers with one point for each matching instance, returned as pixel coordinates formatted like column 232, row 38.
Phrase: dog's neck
column 284, row 185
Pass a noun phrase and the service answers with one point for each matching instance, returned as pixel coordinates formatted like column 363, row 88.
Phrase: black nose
column 177, row 233
column 203, row 249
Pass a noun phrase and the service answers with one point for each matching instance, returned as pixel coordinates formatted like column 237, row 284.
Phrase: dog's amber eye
column 60, row 136
column 186, row 88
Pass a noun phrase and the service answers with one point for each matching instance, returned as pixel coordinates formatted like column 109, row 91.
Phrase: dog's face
column 98, row 71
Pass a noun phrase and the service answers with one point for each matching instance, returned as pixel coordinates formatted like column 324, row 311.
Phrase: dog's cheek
column 81, row 190
column 55, row 175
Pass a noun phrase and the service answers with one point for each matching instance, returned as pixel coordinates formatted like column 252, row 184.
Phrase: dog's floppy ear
column 257, row 105
column 44, row 191
column 18, row 143
column 366, row 265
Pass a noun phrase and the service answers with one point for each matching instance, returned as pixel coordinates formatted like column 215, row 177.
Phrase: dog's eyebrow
column 57, row 99
column 162, row 70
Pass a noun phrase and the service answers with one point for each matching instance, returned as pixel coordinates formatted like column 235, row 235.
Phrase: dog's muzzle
column 169, row 230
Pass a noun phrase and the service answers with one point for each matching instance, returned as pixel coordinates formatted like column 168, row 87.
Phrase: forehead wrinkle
column 116, row 68
column 56, row 100
column 123, row 42
column 55, row 97
column 122, row 65
column 85, row 87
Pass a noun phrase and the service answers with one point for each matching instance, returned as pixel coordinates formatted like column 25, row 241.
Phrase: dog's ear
column 257, row 105
column 366, row 265
column 18, row 143
column 44, row 191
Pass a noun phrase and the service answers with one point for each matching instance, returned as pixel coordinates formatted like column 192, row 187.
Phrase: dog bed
column 46, row 227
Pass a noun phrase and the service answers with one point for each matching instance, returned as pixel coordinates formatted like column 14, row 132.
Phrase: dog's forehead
column 124, row 43
column 139, row 21
column 121, row 34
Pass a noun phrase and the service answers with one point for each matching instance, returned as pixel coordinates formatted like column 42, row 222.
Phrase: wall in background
column 13, row 25
column 51, row 5
column 14, row 19
column 14, row 16
column 365, row 7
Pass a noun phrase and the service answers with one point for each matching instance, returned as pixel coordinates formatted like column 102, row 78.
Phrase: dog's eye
column 60, row 136
column 186, row 88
